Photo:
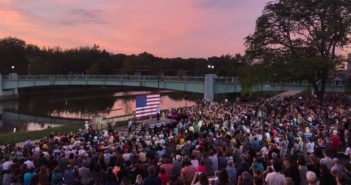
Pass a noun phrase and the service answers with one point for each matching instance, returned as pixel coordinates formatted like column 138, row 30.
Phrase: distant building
column 343, row 71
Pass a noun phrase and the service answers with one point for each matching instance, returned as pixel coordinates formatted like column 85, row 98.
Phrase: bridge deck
column 181, row 83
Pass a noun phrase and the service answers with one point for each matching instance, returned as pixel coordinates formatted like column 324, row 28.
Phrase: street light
column 210, row 66
column 12, row 69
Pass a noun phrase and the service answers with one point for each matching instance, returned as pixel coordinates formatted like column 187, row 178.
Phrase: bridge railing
column 234, row 80
column 105, row 77
column 336, row 83
column 227, row 79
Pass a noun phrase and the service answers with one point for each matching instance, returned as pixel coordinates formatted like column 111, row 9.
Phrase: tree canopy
column 303, row 37
column 30, row 59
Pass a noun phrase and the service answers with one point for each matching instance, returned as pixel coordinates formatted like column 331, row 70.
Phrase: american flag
column 147, row 105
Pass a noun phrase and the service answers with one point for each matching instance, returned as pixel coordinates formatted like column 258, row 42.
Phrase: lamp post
column 210, row 68
column 12, row 69
column 12, row 72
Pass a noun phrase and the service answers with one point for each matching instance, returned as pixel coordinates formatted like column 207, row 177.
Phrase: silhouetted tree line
column 30, row 59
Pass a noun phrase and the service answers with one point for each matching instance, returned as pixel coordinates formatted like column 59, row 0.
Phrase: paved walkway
column 287, row 94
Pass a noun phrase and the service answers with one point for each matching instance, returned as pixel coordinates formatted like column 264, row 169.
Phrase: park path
column 287, row 94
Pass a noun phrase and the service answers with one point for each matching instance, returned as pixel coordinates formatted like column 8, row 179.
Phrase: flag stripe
column 147, row 105
column 153, row 103
column 153, row 99
column 153, row 96
column 145, row 114
column 145, row 110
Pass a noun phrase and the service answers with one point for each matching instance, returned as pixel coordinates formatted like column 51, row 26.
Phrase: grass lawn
column 7, row 138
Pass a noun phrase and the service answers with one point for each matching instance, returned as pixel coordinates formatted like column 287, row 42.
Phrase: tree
column 254, row 75
column 12, row 53
column 304, row 35
column 101, row 67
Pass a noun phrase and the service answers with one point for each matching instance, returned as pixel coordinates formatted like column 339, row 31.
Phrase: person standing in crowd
column 309, row 147
column 139, row 180
column 326, row 160
column 44, row 176
column 208, row 163
column 85, row 174
column 8, row 175
column 334, row 142
column 311, row 178
column 130, row 125
column 164, row 177
column 27, row 178
column 326, row 177
column 244, row 179
column 275, row 177
column 214, row 161
column 302, row 170
column 56, row 176
column 187, row 172
column 158, row 112
column 223, row 178
column 232, row 172
column 201, row 178
column 177, row 166
column 69, row 175
column 152, row 179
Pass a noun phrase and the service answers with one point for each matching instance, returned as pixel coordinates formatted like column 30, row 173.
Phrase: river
column 37, row 107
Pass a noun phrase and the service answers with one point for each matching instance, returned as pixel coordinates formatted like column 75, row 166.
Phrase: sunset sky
column 166, row 28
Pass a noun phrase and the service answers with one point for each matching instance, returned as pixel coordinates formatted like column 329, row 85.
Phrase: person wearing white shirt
column 268, row 135
column 82, row 152
column 28, row 143
column 275, row 177
column 348, row 151
column 29, row 164
column 67, row 153
column 7, row 164
column 126, row 156
column 264, row 151
column 310, row 147
column 214, row 161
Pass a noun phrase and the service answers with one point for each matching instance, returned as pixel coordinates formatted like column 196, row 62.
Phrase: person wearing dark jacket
column 326, row 177
column 152, row 179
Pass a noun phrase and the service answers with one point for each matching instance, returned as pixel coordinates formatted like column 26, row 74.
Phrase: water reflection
column 78, row 105
column 119, row 104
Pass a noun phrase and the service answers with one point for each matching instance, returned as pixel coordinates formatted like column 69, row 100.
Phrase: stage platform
column 151, row 123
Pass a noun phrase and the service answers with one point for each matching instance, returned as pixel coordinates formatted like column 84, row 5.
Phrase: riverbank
column 8, row 138
column 100, row 123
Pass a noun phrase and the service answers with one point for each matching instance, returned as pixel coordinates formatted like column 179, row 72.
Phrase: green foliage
column 302, row 37
column 9, row 138
column 12, row 53
column 254, row 75
column 102, row 66
column 30, row 59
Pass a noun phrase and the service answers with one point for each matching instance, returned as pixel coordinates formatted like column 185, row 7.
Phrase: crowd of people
column 288, row 141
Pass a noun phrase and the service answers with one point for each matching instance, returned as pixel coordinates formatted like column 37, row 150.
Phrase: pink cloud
column 196, row 28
